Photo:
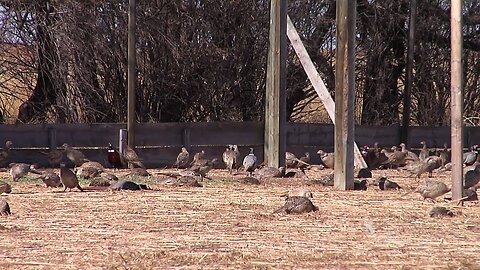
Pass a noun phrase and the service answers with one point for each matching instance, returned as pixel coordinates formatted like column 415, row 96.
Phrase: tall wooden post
column 409, row 79
column 275, row 103
column 344, row 94
column 132, row 77
column 456, row 99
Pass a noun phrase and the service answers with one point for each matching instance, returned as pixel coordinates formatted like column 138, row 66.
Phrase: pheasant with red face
column 114, row 157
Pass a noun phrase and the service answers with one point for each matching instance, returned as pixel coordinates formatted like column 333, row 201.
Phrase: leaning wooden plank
column 317, row 82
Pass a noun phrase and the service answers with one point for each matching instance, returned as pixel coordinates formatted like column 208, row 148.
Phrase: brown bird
column 138, row 172
column 411, row 157
column 432, row 189
column 87, row 171
column 182, row 158
column 238, row 157
column 327, row 180
column 5, row 152
column 51, row 179
column 229, row 158
column 290, row 160
column 54, row 157
column 304, row 162
column 446, row 167
column 444, row 154
column 131, row 158
column 440, row 211
column 100, row 182
column 68, row 178
column 328, row 159
column 202, row 168
column 114, row 157
column 424, row 152
column 306, row 157
column 4, row 208
column 428, row 165
column 182, row 181
column 398, row 158
column 5, row 187
column 77, row 157
column 19, row 170
column 270, row 172
column 94, row 164
column 198, row 157
column 374, row 157
column 297, row 205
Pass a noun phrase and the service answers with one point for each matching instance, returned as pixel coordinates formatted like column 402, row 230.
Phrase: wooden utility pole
column 344, row 94
column 456, row 99
column 132, row 77
column 409, row 79
column 275, row 103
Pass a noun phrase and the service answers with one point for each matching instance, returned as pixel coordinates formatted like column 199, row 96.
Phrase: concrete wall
column 159, row 144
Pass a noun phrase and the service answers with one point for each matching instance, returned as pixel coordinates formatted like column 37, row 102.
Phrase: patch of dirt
column 229, row 225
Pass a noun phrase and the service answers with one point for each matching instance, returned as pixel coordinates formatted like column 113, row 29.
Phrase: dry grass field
column 227, row 225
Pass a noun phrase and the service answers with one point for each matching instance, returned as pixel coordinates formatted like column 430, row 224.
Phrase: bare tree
column 206, row 60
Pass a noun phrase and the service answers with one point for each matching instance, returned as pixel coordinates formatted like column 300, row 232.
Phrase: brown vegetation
column 224, row 225
column 206, row 60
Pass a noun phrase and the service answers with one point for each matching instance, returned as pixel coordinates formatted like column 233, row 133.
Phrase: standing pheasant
column 132, row 158
column 182, row 158
column 237, row 157
column 68, row 178
column 114, row 157
column 77, row 157
column 424, row 153
column 229, row 158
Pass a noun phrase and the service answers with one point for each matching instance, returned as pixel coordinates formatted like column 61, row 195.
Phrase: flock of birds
column 376, row 157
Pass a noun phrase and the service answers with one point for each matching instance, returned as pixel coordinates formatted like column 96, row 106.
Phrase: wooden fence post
column 409, row 77
column 456, row 99
column 132, row 77
column 275, row 103
column 345, row 92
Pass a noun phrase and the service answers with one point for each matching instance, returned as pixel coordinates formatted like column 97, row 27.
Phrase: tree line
column 205, row 60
